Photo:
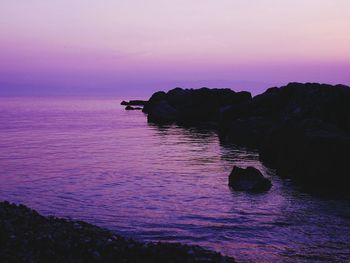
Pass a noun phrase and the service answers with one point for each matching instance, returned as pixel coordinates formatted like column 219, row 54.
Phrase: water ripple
column 89, row 159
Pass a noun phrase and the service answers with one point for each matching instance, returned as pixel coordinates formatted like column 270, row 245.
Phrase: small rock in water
column 249, row 179
column 132, row 108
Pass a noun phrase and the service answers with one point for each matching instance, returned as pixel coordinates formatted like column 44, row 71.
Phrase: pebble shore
column 27, row 236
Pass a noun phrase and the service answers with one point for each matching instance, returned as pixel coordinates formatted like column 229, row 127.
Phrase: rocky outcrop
column 249, row 179
column 293, row 103
column 26, row 236
column 312, row 152
column 162, row 112
column 302, row 130
column 186, row 106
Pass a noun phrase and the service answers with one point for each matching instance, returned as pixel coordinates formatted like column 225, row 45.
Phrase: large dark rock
column 156, row 97
column 297, row 102
column 191, row 106
column 302, row 130
column 162, row 112
column 312, row 152
column 248, row 132
column 249, row 179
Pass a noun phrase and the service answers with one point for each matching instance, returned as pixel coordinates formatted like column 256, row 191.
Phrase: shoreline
column 27, row 236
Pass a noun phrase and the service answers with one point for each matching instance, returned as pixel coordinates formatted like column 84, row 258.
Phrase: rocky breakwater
column 302, row 130
column 26, row 236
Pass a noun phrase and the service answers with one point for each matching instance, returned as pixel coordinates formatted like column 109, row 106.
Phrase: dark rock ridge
column 302, row 130
column 189, row 106
column 249, row 179
column 26, row 236
column 133, row 103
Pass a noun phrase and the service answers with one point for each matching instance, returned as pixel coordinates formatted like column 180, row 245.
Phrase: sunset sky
column 136, row 47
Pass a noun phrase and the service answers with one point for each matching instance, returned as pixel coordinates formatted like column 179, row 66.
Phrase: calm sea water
column 90, row 159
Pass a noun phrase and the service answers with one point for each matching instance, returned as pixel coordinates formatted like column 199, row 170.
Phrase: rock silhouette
column 132, row 108
column 133, row 103
column 249, row 179
column 302, row 130
column 191, row 106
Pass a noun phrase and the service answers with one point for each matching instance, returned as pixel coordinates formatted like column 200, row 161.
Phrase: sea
column 87, row 158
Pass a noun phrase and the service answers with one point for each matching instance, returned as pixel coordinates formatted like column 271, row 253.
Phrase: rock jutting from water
column 133, row 103
column 301, row 130
column 130, row 105
column 191, row 106
column 249, row 179
column 26, row 236
column 132, row 108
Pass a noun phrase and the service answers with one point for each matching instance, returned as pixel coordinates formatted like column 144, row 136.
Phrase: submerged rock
column 249, row 179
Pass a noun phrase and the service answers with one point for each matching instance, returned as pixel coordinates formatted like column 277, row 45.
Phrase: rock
column 137, row 102
column 311, row 152
column 192, row 106
column 162, row 112
column 133, row 103
column 301, row 129
column 129, row 108
column 248, row 132
column 132, row 108
column 249, row 179
column 156, row 97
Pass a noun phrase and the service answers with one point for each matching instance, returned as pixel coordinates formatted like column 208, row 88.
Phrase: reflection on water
column 91, row 160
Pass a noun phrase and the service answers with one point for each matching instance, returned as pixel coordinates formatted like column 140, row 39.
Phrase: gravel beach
column 27, row 236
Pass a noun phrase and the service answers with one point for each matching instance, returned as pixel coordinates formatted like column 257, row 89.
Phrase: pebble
column 50, row 239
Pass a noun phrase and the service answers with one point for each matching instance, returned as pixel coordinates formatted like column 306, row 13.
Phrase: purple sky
column 136, row 47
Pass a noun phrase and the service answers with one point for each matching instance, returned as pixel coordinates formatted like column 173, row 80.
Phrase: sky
column 136, row 47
